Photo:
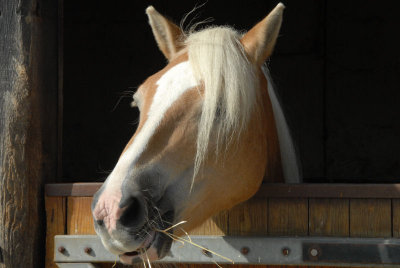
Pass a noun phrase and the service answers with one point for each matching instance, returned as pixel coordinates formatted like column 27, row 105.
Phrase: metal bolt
column 207, row 253
column 88, row 250
column 285, row 251
column 61, row 249
column 314, row 252
column 245, row 250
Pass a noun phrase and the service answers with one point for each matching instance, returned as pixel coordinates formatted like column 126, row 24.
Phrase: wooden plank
column 329, row 217
column 72, row 189
column 370, row 218
column 55, row 225
column 325, row 190
column 216, row 225
column 79, row 218
column 396, row 217
column 249, row 218
column 306, row 190
column 288, row 216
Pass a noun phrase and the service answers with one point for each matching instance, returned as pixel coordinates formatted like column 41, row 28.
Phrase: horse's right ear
column 167, row 34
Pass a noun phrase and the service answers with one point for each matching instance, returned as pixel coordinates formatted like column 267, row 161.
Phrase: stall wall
column 336, row 66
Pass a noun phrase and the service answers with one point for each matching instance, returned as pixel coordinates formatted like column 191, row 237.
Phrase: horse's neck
column 273, row 168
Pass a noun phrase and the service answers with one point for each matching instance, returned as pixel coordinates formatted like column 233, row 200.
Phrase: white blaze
column 171, row 86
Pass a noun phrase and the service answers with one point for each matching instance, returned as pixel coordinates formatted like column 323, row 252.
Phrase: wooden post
column 28, row 126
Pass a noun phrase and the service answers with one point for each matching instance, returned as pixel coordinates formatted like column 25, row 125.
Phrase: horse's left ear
column 167, row 34
column 259, row 42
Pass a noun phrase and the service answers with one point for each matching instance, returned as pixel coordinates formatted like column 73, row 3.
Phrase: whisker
column 141, row 256
column 124, row 94
column 147, row 257
column 118, row 102
column 135, row 122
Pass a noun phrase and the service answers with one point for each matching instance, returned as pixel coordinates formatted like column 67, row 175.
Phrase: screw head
column 285, row 251
column 61, row 249
column 88, row 250
column 314, row 252
column 245, row 250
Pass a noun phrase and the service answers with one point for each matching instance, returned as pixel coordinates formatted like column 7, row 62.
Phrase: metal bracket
column 76, row 265
column 249, row 250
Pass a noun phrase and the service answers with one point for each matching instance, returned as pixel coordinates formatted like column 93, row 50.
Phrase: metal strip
column 249, row 250
column 76, row 265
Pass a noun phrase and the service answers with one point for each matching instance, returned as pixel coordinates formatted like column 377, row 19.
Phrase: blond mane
column 220, row 64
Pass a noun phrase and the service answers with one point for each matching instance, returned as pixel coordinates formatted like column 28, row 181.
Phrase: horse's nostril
column 134, row 212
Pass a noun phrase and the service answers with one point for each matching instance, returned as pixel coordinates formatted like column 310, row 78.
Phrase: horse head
column 206, row 135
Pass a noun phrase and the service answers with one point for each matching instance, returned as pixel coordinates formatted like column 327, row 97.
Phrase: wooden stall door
column 363, row 211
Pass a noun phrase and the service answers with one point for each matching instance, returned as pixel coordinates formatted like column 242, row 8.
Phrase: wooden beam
column 28, row 101
column 305, row 190
column 331, row 190
column 72, row 189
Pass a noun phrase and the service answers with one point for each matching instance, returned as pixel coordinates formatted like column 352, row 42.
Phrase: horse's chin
column 132, row 258
column 157, row 250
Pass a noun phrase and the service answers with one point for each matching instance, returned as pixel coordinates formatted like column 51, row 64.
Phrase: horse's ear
column 167, row 34
column 259, row 42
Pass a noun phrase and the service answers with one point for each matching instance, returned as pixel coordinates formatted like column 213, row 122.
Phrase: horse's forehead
column 162, row 89
column 160, row 92
column 150, row 86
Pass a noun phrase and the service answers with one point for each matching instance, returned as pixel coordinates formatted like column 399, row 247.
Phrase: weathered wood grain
column 370, row 218
column 329, row 190
column 79, row 219
column 329, row 217
column 288, row 216
column 216, row 225
column 249, row 218
column 55, row 225
column 28, row 94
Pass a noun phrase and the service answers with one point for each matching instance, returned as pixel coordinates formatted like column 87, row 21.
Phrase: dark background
column 336, row 66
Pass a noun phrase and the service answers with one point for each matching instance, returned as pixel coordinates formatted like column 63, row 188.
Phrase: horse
column 210, row 130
